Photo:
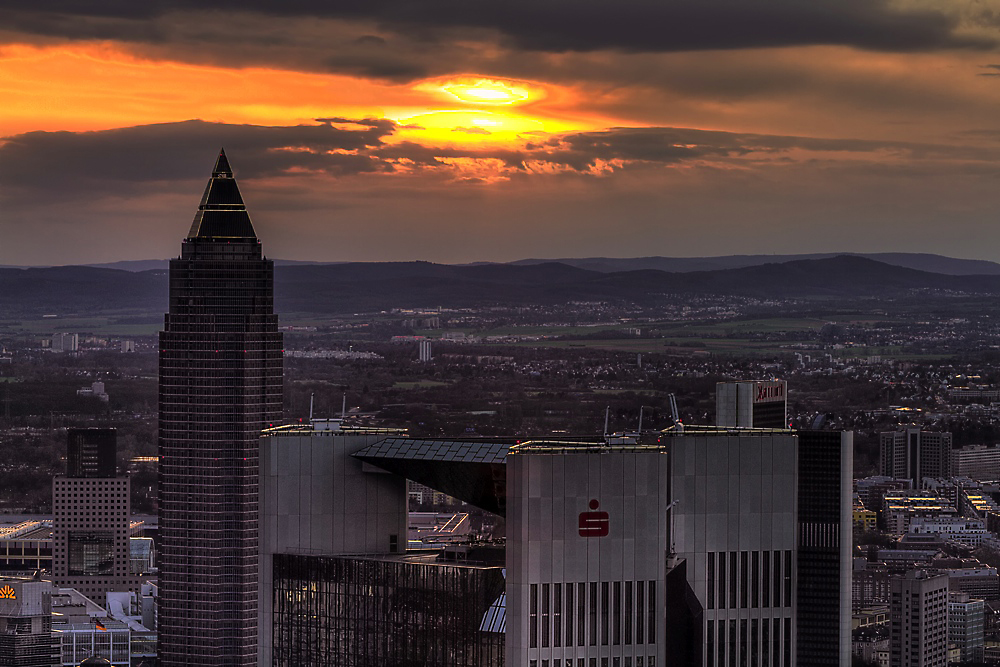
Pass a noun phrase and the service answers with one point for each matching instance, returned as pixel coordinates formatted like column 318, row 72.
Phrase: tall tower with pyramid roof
column 220, row 384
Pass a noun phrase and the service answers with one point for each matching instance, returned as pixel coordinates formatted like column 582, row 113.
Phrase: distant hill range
column 373, row 286
column 920, row 261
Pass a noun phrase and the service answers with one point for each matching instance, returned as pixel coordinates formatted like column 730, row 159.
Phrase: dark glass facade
column 819, row 582
column 220, row 384
column 372, row 612
column 92, row 452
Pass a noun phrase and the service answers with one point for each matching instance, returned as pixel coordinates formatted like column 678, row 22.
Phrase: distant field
column 419, row 384
column 98, row 326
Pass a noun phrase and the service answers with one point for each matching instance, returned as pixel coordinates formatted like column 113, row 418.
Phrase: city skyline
column 451, row 135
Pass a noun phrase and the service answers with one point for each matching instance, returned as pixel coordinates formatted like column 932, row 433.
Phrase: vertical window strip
column 732, row 579
column 765, row 641
column 765, row 584
column 722, row 643
column 545, row 615
column 776, row 580
column 628, row 612
column 755, row 579
column 593, row 613
column 616, row 614
column 651, row 625
column 744, row 643
column 557, row 615
column 533, row 617
column 605, row 603
column 640, row 598
column 788, row 642
column 722, row 580
column 569, row 614
column 710, row 644
column 788, row 578
column 581, row 613
column 754, row 643
column 733, row 641
column 710, row 578
column 744, row 572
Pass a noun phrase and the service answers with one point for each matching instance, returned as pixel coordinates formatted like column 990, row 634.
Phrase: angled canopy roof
column 222, row 213
column 474, row 471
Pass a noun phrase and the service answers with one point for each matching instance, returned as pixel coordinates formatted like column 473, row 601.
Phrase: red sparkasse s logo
column 594, row 523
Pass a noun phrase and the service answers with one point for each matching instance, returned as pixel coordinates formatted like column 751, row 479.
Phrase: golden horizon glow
column 101, row 86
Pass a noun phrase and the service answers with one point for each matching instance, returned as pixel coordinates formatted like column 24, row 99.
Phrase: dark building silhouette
column 92, row 452
column 220, row 384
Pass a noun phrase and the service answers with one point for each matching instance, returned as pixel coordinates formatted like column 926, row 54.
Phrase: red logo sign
column 769, row 392
column 594, row 523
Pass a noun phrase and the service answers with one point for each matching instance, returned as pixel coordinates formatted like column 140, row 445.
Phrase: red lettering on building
column 594, row 523
column 769, row 392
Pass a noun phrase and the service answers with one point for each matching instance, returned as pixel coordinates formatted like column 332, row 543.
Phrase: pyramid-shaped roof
column 222, row 213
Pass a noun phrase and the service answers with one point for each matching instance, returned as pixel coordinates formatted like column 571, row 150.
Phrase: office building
column 967, row 626
column 26, row 624
column 976, row 461
column 747, row 551
column 65, row 342
column 335, row 526
column 751, row 404
column 914, row 454
column 90, row 521
column 918, row 628
column 900, row 507
column 220, row 384
column 425, row 350
column 92, row 453
column 693, row 548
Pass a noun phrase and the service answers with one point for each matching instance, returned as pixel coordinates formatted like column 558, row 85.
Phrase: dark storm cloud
column 129, row 161
column 548, row 25
column 72, row 164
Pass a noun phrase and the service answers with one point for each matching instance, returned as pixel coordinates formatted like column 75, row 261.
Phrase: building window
column 755, row 579
column 581, row 609
column 557, row 614
column 616, row 614
column 777, row 579
column 605, row 617
column 732, row 579
column 788, row 578
column 569, row 614
column 628, row 612
column 765, row 586
column 651, row 625
column 710, row 644
column 533, row 617
column 639, row 608
column 593, row 613
column 722, row 580
column 545, row 615
column 744, row 571
column 711, row 580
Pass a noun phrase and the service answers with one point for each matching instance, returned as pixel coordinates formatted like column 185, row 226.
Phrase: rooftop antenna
column 607, row 411
column 343, row 406
column 675, row 414
column 640, row 418
column 312, row 397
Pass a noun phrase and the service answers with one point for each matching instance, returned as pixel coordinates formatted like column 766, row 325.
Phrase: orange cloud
column 94, row 86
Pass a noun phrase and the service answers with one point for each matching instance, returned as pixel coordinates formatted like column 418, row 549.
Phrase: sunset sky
column 466, row 131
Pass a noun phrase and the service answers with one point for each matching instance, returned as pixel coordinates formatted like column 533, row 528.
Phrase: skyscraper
column 220, row 384
column 914, row 454
column 918, row 631
column 90, row 526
